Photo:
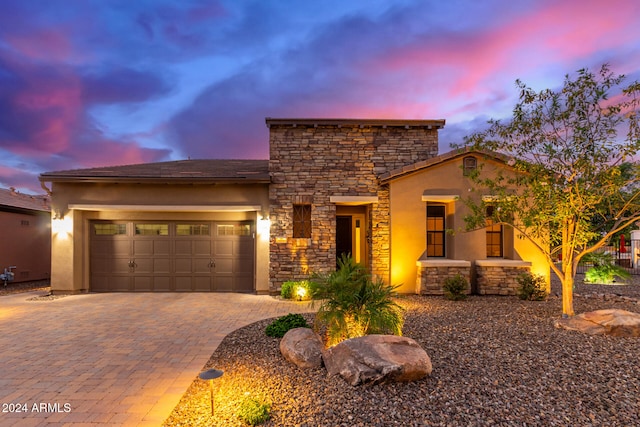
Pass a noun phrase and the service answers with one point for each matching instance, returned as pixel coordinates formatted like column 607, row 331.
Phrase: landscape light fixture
column 210, row 375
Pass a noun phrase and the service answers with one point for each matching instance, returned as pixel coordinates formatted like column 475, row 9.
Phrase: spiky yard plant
column 604, row 270
column 354, row 305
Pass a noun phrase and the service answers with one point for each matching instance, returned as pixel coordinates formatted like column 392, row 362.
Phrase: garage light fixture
column 210, row 375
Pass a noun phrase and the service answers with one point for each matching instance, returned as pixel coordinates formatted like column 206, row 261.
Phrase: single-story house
column 370, row 188
column 25, row 227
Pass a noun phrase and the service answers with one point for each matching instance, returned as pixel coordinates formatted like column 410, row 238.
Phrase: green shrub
column 253, row 412
column 287, row 289
column 354, row 305
column 604, row 270
column 455, row 287
column 299, row 290
column 531, row 287
column 283, row 324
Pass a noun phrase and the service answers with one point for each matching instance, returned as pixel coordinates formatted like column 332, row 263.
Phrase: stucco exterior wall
column 311, row 163
column 78, row 203
column 408, row 222
column 26, row 244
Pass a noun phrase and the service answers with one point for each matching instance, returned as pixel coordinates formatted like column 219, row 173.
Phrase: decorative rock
column 374, row 359
column 302, row 347
column 614, row 322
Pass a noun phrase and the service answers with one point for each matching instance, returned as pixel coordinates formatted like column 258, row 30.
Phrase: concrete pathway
column 113, row 359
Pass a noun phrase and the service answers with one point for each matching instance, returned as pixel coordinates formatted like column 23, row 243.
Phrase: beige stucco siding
column 410, row 195
column 79, row 203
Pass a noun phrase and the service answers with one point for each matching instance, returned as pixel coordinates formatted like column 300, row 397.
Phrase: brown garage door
column 167, row 256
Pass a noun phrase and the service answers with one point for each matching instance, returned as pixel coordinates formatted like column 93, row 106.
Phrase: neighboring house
column 25, row 222
column 331, row 186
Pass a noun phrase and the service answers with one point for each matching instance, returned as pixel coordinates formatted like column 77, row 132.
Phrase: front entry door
column 351, row 237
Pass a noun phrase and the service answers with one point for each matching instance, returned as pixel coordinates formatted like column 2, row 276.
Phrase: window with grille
column 108, row 229
column 494, row 236
column 435, row 230
column 192, row 230
column 302, row 221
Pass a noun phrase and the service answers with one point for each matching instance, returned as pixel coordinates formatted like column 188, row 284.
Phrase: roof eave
column 430, row 124
column 150, row 180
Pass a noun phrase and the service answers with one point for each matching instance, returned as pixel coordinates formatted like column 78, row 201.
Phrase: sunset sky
column 87, row 83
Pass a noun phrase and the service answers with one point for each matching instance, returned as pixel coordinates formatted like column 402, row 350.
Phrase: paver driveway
column 113, row 359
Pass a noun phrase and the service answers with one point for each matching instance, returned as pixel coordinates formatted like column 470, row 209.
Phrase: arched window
column 469, row 164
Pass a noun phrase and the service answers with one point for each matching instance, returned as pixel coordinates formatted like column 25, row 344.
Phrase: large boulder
column 374, row 359
column 302, row 347
column 618, row 323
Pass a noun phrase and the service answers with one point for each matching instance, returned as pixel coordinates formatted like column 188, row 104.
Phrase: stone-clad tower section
column 324, row 195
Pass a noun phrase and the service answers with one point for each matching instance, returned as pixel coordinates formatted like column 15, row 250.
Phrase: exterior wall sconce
column 210, row 375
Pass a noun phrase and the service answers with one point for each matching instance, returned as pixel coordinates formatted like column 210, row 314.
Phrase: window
column 234, row 229
column 109, row 229
column 192, row 229
column 469, row 164
column 152, row 229
column 435, row 230
column 24, row 222
column 301, row 221
column 494, row 236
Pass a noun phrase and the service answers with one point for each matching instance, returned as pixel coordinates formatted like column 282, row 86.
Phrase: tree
column 575, row 156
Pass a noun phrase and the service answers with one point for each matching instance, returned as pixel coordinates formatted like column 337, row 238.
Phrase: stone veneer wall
column 310, row 163
column 430, row 278
column 493, row 279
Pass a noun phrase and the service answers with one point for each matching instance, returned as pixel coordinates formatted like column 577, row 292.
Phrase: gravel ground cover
column 14, row 288
column 497, row 361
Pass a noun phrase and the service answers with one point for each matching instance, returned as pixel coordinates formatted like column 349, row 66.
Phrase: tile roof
column 396, row 173
column 13, row 199
column 250, row 171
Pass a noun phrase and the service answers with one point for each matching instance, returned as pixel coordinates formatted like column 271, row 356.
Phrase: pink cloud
column 473, row 61
column 101, row 152
column 42, row 44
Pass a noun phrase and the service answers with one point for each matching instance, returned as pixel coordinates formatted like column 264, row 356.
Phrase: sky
column 89, row 83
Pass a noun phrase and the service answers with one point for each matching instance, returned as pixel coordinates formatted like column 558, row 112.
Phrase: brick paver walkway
column 113, row 359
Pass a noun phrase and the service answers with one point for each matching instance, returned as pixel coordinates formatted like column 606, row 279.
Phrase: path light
column 210, row 374
column 301, row 292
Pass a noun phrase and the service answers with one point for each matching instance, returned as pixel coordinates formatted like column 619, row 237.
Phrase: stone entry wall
column 314, row 159
column 498, row 277
column 433, row 273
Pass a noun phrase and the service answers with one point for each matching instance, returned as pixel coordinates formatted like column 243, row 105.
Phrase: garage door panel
column 162, row 284
column 201, row 265
column 202, row 284
column 119, row 283
column 162, row 265
column 243, row 247
column 223, row 248
column 142, row 247
column 143, row 265
column 143, row 283
column 224, row 266
column 107, row 247
column 100, row 284
column 183, row 284
column 223, row 283
column 183, row 265
column 161, row 247
column 244, row 283
column 202, row 247
column 243, row 266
